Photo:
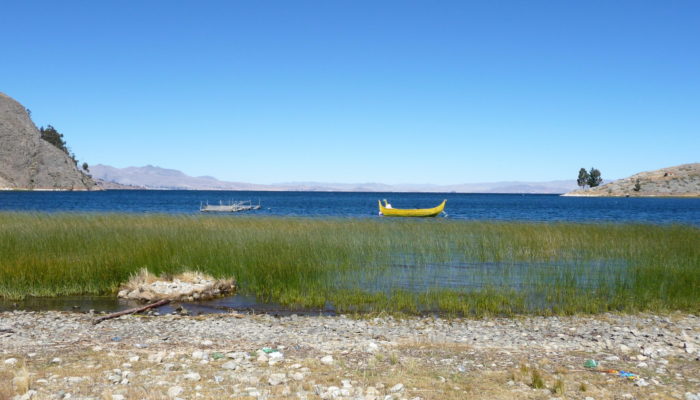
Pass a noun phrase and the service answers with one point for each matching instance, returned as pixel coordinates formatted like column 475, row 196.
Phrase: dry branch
column 132, row 311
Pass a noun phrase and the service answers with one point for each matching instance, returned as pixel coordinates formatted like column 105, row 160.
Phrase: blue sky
column 363, row 91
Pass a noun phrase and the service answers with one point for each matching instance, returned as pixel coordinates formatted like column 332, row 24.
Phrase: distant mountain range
column 151, row 177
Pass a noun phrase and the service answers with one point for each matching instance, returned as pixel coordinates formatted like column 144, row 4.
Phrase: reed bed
column 352, row 264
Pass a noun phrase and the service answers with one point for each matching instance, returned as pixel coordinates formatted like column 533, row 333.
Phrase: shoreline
column 55, row 354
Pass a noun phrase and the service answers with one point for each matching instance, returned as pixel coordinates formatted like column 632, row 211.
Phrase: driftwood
column 132, row 311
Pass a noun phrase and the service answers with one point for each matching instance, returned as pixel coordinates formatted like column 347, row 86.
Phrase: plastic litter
column 623, row 374
column 268, row 350
column 116, row 339
column 217, row 356
column 590, row 364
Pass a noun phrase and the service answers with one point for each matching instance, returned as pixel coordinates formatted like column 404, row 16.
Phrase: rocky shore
column 53, row 355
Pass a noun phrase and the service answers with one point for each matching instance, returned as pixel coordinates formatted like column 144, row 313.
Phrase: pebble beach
column 60, row 355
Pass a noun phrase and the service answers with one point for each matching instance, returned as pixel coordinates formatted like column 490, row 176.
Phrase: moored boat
column 387, row 211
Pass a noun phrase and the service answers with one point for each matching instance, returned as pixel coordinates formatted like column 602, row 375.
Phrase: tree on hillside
column 637, row 186
column 594, row 178
column 86, row 168
column 51, row 135
column 582, row 180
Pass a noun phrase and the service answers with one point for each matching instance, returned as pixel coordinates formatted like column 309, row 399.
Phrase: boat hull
column 416, row 212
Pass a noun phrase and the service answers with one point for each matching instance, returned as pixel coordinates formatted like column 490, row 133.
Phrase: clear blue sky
column 363, row 91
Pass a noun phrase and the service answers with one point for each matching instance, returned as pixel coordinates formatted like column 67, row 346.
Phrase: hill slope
column 27, row 162
column 679, row 181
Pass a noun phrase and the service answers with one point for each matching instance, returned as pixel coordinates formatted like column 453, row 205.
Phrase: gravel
column 309, row 357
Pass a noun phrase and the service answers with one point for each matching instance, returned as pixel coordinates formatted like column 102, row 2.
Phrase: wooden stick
column 131, row 311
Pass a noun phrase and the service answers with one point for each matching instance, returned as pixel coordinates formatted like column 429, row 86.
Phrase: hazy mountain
column 151, row 177
column 679, row 181
column 27, row 162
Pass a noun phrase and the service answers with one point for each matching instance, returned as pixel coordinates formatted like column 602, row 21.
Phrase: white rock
column 276, row 379
column 56, row 360
column 28, row 395
column 192, row 376
column 230, row 365
column 207, row 343
column 11, row 361
column 624, row 348
column 175, row 391
column 642, row 365
column 199, row 355
column 327, row 360
column 689, row 347
column 396, row 388
column 692, row 396
column 157, row 357
column 118, row 397
column 134, row 359
column 297, row 376
column 641, row 382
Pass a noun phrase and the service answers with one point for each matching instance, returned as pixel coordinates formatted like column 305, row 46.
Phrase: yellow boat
column 416, row 212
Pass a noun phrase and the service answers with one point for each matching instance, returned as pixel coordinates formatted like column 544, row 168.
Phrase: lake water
column 501, row 207
column 488, row 207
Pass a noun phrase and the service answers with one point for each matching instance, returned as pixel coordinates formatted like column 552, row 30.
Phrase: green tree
column 637, row 186
column 582, row 178
column 51, row 135
column 86, row 168
column 594, row 178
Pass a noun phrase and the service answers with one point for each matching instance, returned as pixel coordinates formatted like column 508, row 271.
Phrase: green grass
column 586, row 268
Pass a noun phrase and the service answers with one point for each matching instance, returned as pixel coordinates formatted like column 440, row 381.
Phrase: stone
column 689, row 347
column 193, row 376
column 276, row 379
column 396, row 388
column 297, row 376
column 232, row 365
column 175, row 391
column 327, row 360
column 11, row 362
column 157, row 357
column 118, row 397
column 641, row 382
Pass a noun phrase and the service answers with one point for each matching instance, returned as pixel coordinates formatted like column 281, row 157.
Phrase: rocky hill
column 680, row 181
column 27, row 162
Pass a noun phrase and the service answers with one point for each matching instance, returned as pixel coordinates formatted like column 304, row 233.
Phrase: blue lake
column 500, row 207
